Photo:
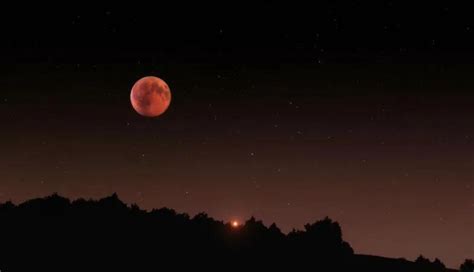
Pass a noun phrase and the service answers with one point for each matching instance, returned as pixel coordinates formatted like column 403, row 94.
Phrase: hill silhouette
column 54, row 233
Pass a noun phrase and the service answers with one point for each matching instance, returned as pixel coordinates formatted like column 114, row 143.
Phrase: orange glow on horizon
column 235, row 223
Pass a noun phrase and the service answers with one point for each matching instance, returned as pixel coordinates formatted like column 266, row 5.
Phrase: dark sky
column 364, row 113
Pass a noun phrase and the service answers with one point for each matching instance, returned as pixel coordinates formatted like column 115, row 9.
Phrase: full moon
column 150, row 96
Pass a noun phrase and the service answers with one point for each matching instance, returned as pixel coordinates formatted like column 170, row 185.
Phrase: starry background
column 360, row 112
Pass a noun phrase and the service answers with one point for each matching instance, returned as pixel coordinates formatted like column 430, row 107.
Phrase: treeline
column 55, row 233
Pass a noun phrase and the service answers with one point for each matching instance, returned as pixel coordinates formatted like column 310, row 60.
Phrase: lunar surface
column 150, row 96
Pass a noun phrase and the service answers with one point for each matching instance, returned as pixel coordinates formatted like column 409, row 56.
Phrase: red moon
column 150, row 96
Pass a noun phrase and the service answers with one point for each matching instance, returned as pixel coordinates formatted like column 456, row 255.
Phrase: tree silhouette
column 467, row 266
column 54, row 233
column 438, row 265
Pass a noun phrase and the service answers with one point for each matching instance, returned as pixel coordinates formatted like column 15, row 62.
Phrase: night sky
column 363, row 113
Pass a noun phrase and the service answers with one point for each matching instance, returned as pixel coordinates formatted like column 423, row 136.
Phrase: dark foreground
column 54, row 233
